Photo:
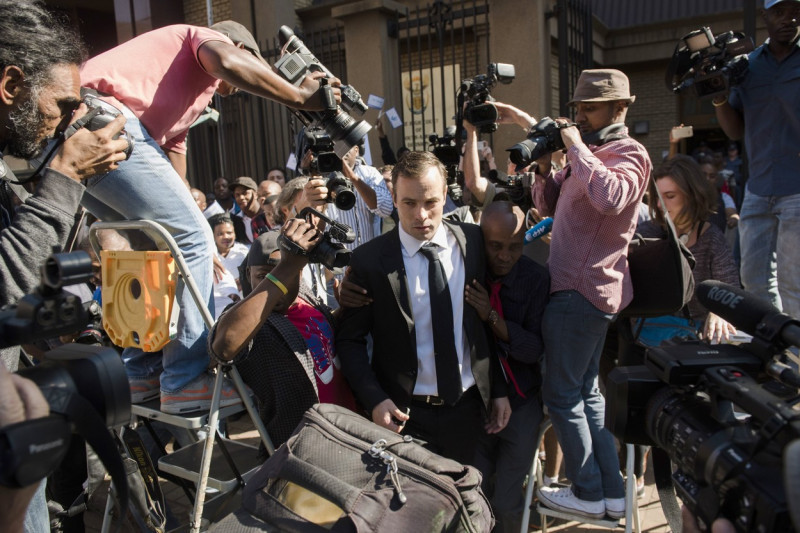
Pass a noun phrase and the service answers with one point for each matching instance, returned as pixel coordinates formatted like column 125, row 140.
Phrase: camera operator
column 39, row 91
column 764, row 106
column 373, row 199
column 594, row 202
column 20, row 400
column 161, row 97
column 281, row 335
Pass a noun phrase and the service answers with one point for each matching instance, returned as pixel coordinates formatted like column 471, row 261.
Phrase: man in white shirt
column 433, row 375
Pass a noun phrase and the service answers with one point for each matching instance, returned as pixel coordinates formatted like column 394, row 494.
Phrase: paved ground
column 651, row 517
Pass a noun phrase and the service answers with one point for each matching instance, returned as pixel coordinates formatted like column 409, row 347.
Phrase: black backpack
column 340, row 472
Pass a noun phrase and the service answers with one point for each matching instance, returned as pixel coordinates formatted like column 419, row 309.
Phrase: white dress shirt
column 417, row 274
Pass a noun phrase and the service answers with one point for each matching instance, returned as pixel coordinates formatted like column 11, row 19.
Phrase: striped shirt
column 594, row 203
column 361, row 218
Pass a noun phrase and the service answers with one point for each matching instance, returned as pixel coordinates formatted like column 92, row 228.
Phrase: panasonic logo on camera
column 724, row 297
column 39, row 448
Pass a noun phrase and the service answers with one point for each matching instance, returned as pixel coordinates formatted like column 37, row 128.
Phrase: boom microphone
column 748, row 313
column 539, row 230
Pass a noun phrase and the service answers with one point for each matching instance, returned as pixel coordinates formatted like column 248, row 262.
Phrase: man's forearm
column 730, row 120
column 240, row 324
column 476, row 183
column 42, row 222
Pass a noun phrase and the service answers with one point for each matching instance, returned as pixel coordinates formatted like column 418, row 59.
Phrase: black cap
column 262, row 247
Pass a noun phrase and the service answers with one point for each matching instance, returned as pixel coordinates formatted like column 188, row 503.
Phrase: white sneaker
column 615, row 507
column 562, row 499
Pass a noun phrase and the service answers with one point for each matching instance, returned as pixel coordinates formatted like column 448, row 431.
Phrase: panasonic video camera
column 86, row 386
column 295, row 63
column 709, row 64
column 479, row 110
column 723, row 423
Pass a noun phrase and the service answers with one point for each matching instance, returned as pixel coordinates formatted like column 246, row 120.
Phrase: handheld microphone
column 539, row 230
column 748, row 313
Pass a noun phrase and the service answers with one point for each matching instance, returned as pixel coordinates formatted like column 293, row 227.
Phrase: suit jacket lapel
column 392, row 263
column 466, row 253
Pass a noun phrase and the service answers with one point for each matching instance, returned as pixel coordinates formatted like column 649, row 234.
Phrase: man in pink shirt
column 594, row 202
column 162, row 81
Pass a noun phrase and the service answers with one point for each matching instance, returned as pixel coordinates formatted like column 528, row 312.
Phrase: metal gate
column 441, row 43
column 574, row 47
column 253, row 134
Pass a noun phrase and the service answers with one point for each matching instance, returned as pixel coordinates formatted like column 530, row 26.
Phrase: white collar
column 411, row 245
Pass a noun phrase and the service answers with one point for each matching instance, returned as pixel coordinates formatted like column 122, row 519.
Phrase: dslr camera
column 99, row 115
column 295, row 63
column 479, row 110
column 543, row 138
column 326, row 163
column 708, row 64
column 327, row 252
column 447, row 151
column 726, row 432
column 86, row 386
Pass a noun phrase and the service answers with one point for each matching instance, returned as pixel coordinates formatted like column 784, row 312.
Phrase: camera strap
column 662, row 471
column 92, row 428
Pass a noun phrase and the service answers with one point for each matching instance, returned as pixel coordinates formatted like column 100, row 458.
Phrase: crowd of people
column 445, row 326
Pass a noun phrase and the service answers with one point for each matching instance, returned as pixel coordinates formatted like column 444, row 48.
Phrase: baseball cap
column 262, row 247
column 602, row 85
column 243, row 181
column 769, row 3
column 238, row 34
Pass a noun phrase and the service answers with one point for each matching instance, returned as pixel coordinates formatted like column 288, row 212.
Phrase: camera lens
column 61, row 270
column 343, row 198
column 524, row 153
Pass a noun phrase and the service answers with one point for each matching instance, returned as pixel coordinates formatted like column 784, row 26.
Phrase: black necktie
column 448, row 376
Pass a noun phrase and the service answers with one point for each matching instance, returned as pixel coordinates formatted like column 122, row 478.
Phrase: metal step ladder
column 632, row 522
column 233, row 462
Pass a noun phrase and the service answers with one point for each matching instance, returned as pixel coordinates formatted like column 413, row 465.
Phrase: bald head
column 503, row 227
column 268, row 188
column 199, row 198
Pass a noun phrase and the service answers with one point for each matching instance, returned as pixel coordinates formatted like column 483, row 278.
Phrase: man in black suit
column 432, row 374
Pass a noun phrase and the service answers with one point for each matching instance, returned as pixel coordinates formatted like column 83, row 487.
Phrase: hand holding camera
column 88, row 151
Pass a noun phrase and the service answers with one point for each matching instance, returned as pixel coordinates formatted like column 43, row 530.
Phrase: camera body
column 515, row 188
column 99, row 115
column 479, row 110
column 446, row 150
column 709, row 64
column 542, row 139
column 86, row 386
column 326, row 163
column 682, row 400
column 295, row 63
column 327, row 252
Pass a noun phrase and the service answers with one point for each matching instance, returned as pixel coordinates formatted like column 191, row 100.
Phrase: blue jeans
column 574, row 332
column 147, row 187
column 768, row 232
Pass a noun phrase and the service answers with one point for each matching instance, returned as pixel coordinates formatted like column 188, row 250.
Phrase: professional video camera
column 86, row 386
column 710, row 64
column 515, row 188
column 328, row 253
column 329, row 165
column 480, row 111
column 682, row 400
column 295, row 63
column 446, row 150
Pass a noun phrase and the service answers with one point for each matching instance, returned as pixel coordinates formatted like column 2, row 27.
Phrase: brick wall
column 195, row 11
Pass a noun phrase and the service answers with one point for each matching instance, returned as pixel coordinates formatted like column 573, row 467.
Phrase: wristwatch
column 493, row 317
